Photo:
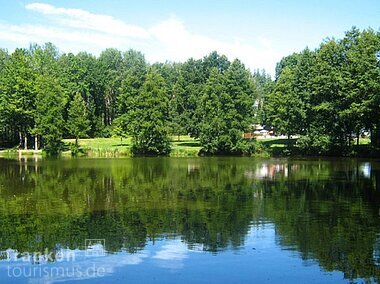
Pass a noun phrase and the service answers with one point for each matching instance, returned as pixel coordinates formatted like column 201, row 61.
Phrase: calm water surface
column 198, row 220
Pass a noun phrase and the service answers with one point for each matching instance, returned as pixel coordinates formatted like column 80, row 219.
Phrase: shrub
column 314, row 144
column 76, row 150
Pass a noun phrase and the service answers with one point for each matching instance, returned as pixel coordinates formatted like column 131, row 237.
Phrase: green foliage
column 49, row 123
column 226, row 110
column 78, row 123
column 285, row 111
column 264, row 86
column 4, row 57
column 186, row 93
column 18, row 102
column 256, row 148
column 315, row 144
column 333, row 91
column 147, row 118
column 133, row 79
column 325, row 210
column 76, row 150
column 329, row 94
column 110, row 64
column 120, row 127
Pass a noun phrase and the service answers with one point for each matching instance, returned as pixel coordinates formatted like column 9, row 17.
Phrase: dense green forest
column 328, row 96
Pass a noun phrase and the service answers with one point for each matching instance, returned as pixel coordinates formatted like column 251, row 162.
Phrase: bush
column 251, row 147
column 314, row 144
column 53, row 148
column 242, row 148
column 106, row 132
column 151, row 143
column 76, row 150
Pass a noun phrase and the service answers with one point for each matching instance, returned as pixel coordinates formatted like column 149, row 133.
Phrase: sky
column 258, row 32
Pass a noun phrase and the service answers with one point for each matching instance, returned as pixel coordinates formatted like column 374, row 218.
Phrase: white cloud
column 72, row 41
column 172, row 255
column 175, row 42
column 81, row 19
column 179, row 42
column 74, row 30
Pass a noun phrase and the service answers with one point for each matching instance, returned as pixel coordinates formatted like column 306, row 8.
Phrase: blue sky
column 258, row 32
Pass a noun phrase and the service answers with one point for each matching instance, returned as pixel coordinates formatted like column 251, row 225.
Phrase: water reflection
column 365, row 169
column 181, row 214
column 269, row 170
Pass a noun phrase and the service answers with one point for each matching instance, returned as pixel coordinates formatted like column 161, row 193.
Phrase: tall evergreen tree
column 49, row 123
column 226, row 110
column 18, row 85
column 110, row 63
column 78, row 123
column 134, row 77
column 188, row 90
column 4, row 123
column 212, row 127
column 148, row 118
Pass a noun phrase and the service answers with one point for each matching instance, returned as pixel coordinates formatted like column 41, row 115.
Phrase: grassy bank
column 101, row 147
column 288, row 147
column 185, row 146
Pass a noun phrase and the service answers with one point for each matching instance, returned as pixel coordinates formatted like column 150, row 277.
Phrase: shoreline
column 186, row 146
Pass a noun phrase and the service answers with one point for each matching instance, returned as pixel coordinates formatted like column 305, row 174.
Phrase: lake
column 196, row 220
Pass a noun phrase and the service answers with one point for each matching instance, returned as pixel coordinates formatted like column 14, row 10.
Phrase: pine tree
column 78, row 123
column 226, row 110
column 212, row 125
column 49, row 108
column 148, row 118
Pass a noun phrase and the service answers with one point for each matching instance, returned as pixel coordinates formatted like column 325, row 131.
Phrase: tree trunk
column 20, row 140
column 76, row 141
column 358, row 138
column 36, row 143
column 377, row 139
column 26, row 142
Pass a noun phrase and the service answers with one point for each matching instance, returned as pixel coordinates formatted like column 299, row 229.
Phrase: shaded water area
column 196, row 220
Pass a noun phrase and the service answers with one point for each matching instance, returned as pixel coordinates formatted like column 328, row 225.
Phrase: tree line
column 46, row 96
column 328, row 96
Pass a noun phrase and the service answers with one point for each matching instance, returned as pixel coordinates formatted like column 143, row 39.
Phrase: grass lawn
column 364, row 141
column 186, row 146
column 102, row 143
column 283, row 142
column 277, row 142
column 280, row 146
column 102, row 147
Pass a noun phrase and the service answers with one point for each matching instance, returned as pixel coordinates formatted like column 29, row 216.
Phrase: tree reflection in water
column 327, row 210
